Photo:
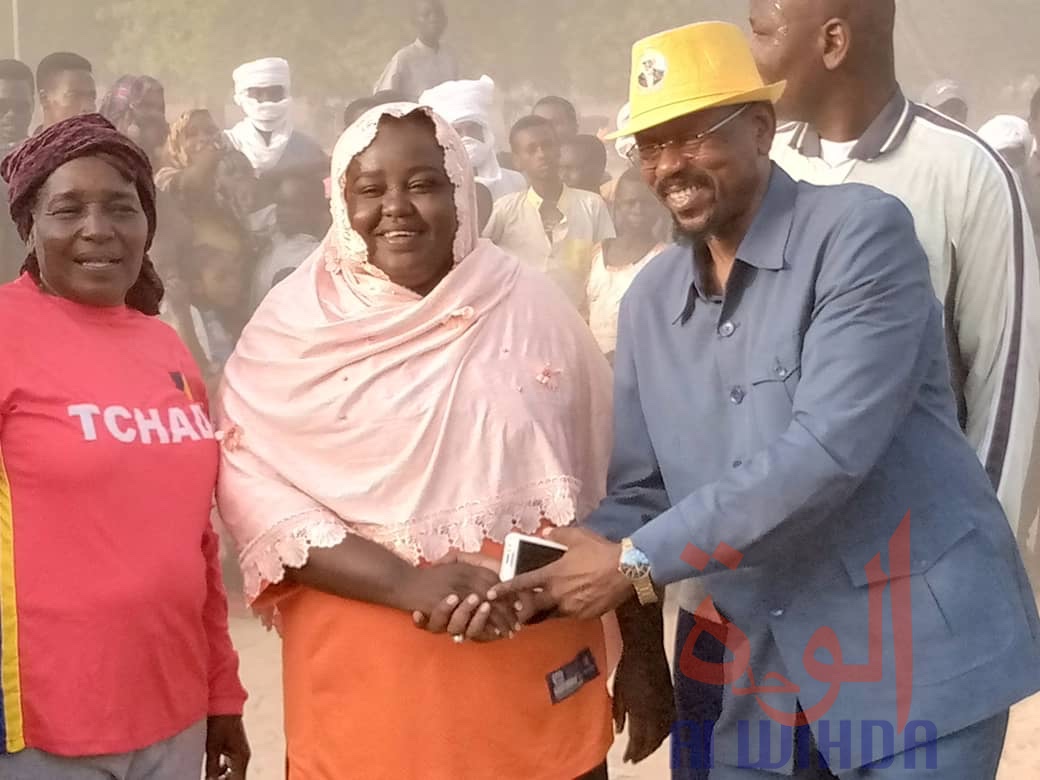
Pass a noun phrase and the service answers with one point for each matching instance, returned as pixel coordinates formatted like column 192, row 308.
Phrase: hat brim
column 661, row 114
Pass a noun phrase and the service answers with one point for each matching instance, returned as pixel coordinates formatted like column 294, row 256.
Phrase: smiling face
column 89, row 233
column 710, row 186
column 402, row 203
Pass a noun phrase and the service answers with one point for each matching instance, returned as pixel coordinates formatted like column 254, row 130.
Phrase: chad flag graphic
column 181, row 383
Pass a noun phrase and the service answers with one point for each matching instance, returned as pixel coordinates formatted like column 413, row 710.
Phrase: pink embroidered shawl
column 352, row 405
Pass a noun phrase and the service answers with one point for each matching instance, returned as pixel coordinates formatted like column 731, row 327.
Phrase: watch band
column 645, row 591
column 638, row 575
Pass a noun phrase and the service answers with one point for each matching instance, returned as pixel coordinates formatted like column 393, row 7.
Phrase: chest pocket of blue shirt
column 776, row 369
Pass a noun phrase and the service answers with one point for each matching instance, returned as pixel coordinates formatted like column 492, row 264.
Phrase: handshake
column 454, row 596
column 462, row 594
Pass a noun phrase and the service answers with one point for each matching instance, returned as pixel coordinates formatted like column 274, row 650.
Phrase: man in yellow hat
column 787, row 436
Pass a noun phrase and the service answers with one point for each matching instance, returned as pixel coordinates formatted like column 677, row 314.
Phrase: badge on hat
column 654, row 67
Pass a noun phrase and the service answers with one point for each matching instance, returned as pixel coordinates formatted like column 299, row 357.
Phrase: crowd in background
column 241, row 208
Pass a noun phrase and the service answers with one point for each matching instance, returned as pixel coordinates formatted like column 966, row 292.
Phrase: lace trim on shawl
column 287, row 546
column 428, row 537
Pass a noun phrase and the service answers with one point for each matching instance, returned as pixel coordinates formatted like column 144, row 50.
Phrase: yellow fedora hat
column 688, row 69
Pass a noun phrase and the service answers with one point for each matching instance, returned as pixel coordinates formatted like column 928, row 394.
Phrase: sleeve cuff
column 614, row 522
column 664, row 541
column 227, row 705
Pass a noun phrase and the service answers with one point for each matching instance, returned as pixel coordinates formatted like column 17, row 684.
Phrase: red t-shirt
column 113, row 616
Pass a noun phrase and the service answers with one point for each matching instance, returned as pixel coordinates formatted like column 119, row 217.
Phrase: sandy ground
column 261, row 662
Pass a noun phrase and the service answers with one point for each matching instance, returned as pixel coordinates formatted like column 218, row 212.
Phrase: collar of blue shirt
column 763, row 247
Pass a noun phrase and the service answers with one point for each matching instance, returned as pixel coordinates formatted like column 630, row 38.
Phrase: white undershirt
column 836, row 153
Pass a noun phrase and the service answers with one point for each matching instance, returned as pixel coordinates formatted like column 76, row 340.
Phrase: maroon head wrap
column 28, row 167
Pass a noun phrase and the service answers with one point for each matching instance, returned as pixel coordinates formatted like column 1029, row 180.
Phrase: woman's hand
column 227, row 749
column 466, row 617
column 449, row 598
column 470, row 618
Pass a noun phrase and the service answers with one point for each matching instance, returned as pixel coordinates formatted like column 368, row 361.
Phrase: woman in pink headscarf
column 409, row 394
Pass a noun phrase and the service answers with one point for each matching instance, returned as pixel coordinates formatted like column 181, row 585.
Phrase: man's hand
column 584, row 584
column 227, row 749
column 643, row 696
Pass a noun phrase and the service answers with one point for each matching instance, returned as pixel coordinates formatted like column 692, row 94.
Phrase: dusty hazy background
column 577, row 49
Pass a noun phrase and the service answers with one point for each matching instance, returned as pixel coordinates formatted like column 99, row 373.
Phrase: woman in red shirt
column 114, row 648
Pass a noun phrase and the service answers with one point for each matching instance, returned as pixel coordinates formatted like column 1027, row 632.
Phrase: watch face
column 640, row 571
column 634, row 564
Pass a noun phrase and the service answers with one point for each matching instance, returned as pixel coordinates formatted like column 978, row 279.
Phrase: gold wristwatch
column 634, row 564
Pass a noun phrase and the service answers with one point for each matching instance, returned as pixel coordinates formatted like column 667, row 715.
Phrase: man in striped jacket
column 852, row 123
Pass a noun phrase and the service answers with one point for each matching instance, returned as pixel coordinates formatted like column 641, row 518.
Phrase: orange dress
column 369, row 696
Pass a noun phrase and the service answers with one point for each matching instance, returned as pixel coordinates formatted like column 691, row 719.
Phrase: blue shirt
column 737, row 414
column 772, row 440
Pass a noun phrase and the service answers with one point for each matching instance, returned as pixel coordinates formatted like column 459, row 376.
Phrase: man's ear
column 764, row 119
column 837, row 42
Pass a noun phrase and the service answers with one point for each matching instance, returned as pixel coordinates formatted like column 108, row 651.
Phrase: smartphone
column 526, row 553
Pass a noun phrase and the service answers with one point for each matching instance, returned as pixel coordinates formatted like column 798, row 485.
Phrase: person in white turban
column 467, row 106
column 626, row 143
column 1012, row 137
column 624, row 147
column 266, row 135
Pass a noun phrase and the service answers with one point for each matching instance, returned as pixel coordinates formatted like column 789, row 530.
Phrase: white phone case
column 512, row 548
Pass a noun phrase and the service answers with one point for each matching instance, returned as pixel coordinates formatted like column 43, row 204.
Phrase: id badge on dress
column 568, row 680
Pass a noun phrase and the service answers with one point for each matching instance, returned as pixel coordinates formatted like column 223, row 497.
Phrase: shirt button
column 737, row 464
column 736, row 395
column 727, row 329
column 776, row 613
column 781, row 372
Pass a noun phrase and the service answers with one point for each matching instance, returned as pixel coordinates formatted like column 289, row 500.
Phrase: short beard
column 684, row 237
